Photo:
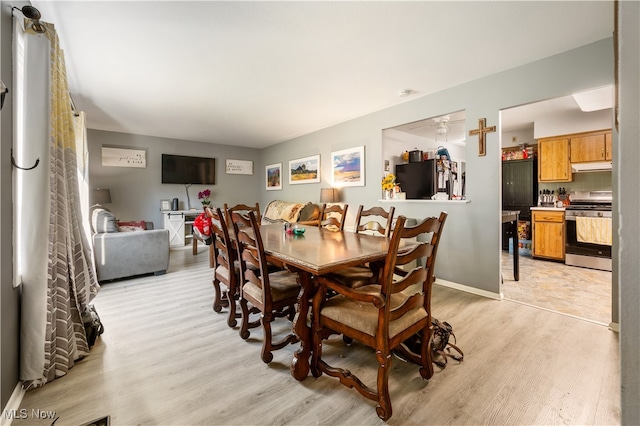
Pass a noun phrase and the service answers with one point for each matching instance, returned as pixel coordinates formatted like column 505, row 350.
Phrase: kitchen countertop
column 559, row 209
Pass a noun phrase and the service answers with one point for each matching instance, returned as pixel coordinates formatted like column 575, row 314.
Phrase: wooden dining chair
column 333, row 217
column 382, row 316
column 272, row 295
column 243, row 208
column 374, row 221
column 226, row 267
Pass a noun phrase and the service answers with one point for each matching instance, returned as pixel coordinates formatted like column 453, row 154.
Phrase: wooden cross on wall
column 481, row 131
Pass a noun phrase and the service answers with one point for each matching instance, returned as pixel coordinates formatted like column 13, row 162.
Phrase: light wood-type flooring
column 167, row 359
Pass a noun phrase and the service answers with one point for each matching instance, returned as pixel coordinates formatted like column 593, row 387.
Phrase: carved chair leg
column 426, row 369
column 267, row 356
column 384, row 400
column 244, row 328
column 217, row 300
column 231, row 320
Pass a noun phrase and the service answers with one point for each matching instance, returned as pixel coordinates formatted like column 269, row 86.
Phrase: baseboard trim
column 468, row 289
column 13, row 405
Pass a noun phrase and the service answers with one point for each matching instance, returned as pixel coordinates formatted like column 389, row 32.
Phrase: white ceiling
column 256, row 73
column 521, row 118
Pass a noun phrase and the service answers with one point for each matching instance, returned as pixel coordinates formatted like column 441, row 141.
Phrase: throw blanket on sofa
column 281, row 210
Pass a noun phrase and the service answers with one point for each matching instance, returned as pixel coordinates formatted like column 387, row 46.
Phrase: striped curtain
column 52, row 336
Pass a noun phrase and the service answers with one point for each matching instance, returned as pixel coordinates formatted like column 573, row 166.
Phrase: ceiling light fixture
column 405, row 92
column 441, row 126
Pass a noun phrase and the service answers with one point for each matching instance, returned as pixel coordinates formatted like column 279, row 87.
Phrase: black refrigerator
column 422, row 180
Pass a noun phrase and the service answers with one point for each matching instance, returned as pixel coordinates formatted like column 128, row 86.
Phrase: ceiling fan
column 441, row 124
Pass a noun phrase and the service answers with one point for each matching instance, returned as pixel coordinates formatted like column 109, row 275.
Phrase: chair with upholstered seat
column 272, row 295
column 382, row 316
column 333, row 217
column 226, row 266
column 374, row 221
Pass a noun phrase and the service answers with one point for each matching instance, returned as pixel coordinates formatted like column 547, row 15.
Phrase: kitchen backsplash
column 596, row 181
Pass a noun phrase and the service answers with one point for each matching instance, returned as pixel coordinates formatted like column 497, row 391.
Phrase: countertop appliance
column 589, row 230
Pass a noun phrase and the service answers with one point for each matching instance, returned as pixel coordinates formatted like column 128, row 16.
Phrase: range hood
column 597, row 166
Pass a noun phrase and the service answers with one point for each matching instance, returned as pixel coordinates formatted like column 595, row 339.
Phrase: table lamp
column 101, row 196
column 328, row 195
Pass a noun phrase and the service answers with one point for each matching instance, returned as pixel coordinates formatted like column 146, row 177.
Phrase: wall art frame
column 124, row 157
column 347, row 167
column 304, row 170
column 273, row 177
column 238, row 167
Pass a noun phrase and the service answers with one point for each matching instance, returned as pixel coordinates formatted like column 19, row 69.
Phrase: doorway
column 581, row 292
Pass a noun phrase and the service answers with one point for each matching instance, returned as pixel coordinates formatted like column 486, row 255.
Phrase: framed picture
column 239, row 167
column 124, row 157
column 273, row 175
column 347, row 167
column 165, row 205
column 304, row 170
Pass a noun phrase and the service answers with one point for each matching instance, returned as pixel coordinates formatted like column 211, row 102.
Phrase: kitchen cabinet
column 608, row 153
column 553, row 160
column 592, row 146
column 548, row 234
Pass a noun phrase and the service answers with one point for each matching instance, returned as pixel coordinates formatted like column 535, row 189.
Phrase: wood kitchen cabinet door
column 588, row 148
column 608, row 153
column 553, row 160
column 548, row 235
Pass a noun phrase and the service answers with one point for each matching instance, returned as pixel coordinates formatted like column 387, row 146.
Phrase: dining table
column 316, row 252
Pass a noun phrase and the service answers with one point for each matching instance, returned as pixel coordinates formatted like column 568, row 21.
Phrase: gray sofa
column 122, row 251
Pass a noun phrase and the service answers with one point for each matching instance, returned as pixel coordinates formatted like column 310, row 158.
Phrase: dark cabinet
column 519, row 191
column 520, row 186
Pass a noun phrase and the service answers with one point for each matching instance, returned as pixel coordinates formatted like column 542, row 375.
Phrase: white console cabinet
column 179, row 223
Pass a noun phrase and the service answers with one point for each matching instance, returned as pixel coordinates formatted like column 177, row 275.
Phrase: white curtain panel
column 31, row 194
column 53, row 257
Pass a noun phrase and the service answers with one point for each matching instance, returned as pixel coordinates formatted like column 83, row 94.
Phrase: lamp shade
column 328, row 195
column 101, row 196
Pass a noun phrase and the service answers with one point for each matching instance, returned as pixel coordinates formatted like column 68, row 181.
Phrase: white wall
column 628, row 182
column 521, row 137
column 572, row 123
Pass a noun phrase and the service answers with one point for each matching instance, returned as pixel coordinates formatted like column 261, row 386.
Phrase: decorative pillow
column 309, row 212
column 102, row 220
column 283, row 210
column 138, row 226
column 130, row 229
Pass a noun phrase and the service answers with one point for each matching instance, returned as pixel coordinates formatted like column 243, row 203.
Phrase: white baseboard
column 13, row 405
column 473, row 290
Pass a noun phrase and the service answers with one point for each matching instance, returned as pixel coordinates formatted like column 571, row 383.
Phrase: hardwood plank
column 167, row 359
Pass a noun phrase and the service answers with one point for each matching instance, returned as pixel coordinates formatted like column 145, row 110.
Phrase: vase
column 388, row 194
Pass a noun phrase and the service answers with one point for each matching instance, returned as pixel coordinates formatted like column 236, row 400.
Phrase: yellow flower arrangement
column 389, row 182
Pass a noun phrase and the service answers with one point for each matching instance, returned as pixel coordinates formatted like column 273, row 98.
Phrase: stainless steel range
column 589, row 230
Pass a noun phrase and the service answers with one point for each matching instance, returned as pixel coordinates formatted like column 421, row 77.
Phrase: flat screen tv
column 188, row 170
